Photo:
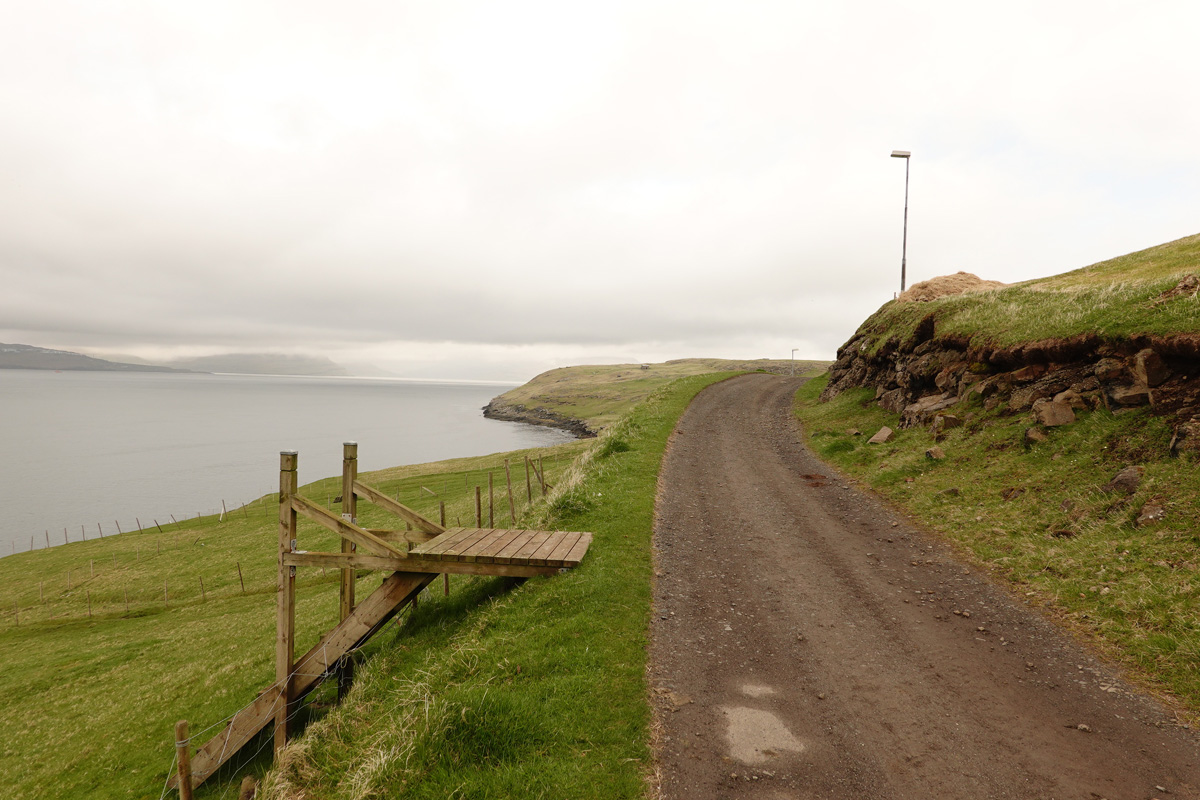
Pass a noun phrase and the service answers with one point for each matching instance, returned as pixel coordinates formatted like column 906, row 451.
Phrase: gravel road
column 808, row 643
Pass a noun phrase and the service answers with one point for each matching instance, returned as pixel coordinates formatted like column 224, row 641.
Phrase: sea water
column 86, row 451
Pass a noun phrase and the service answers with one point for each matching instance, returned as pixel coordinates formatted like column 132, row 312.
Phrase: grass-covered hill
column 586, row 399
column 1113, row 301
column 1052, row 430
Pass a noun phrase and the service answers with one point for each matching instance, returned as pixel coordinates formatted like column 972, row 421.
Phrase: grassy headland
column 598, row 395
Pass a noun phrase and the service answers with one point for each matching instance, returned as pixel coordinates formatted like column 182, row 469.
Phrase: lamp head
column 900, row 154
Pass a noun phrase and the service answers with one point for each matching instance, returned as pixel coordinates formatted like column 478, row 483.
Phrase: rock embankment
column 515, row 412
column 926, row 377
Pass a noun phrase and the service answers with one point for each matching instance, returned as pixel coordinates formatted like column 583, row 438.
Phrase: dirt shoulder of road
column 808, row 643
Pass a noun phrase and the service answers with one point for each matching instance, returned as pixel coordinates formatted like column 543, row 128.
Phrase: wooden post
column 139, row 522
column 117, row 522
column 224, row 511
column 491, row 503
column 100, row 529
column 89, row 595
column 512, row 507
column 285, row 617
column 442, row 520
column 240, row 579
column 345, row 670
column 478, row 509
column 92, row 566
column 183, row 747
column 47, row 537
column 66, row 539
column 160, row 530
column 528, row 482
column 203, row 598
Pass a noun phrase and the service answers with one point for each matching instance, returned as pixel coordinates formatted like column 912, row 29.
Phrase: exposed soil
column 808, row 643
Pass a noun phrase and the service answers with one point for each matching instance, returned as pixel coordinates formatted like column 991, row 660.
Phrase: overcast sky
column 491, row 189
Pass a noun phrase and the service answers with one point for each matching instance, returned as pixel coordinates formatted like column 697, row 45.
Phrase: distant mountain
column 25, row 356
column 263, row 364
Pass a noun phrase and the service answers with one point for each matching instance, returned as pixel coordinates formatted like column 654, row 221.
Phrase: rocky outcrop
column 921, row 379
column 538, row 416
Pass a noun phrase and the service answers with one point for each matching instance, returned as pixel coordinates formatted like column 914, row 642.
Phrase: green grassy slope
column 90, row 702
column 535, row 690
column 1114, row 299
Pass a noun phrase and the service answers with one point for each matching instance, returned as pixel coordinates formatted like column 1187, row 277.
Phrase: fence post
column 183, row 746
column 491, row 503
column 478, row 509
column 512, row 508
column 345, row 670
column 285, row 618
column 528, row 482
column 240, row 579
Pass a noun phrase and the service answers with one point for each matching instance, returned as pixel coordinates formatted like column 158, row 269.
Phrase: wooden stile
column 350, row 514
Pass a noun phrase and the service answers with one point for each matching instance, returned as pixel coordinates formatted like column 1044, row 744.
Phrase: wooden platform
column 552, row 550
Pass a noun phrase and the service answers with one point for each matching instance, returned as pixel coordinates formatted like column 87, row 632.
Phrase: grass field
column 1037, row 517
column 91, row 700
column 599, row 395
column 517, row 690
column 500, row 689
column 1113, row 299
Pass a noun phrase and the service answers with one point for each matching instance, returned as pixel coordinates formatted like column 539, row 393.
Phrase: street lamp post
column 794, row 349
column 904, row 250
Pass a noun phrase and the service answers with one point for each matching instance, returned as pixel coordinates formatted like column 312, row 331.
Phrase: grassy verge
column 516, row 690
column 1037, row 517
column 91, row 698
column 599, row 394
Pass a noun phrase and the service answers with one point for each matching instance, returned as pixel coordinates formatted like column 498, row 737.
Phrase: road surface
column 808, row 643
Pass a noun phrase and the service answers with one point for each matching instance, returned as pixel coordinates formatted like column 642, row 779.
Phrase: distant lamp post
column 794, row 349
column 904, row 250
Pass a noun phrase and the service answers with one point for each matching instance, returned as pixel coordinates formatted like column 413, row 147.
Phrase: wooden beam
column 346, row 591
column 416, row 564
column 399, row 509
column 370, row 615
column 347, row 530
column 285, row 606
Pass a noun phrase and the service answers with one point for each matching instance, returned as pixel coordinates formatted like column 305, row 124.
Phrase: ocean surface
column 88, row 449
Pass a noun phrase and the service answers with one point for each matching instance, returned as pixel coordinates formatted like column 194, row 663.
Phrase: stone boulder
column 1149, row 368
column 883, row 436
column 1130, row 396
column 1108, row 370
column 1053, row 413
column 1126, row 481
column 935, row 453
column 922, row 411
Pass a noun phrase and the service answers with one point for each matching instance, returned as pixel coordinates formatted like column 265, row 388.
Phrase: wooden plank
column 505, row 556
column 399, row 509
column 472, row 551
column 439, row 543
column 577, row 552
column 454, row 551
column 536, row 540
column 367, row 617
column 420, row 564
column 487, row 555
column 347, row 530
column 563, row 542
column 400, row 538
column 541, row 556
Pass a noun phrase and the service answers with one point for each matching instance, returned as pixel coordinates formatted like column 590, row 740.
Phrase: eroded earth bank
column 806, row 643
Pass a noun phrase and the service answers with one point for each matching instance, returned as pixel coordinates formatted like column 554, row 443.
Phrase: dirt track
column 807, row 643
